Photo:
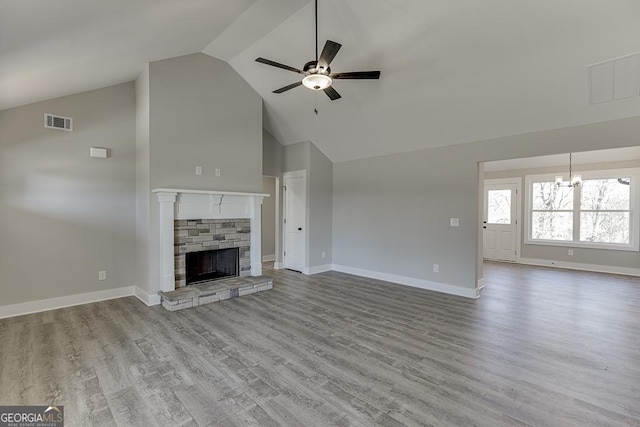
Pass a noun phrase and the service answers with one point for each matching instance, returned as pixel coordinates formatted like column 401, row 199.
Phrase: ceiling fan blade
column 329, row 52
column 279, row 65
column 286, row 88
column 332, row 93
column 357, row 75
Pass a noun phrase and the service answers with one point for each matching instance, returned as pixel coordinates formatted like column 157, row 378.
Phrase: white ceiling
column 51, row 48
column 453, row 71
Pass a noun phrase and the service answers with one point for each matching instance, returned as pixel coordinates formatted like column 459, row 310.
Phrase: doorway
column 269, row 218
column 501, row 236
column 295, row 220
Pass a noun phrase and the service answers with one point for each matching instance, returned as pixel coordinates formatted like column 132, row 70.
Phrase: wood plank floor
column 541, row 347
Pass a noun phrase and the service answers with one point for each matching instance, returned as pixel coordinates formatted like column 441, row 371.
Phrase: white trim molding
column 611, row 269
column 63, row 302
column 318, row 269
column 410, row 281
column 145, row 297
column 203, row 204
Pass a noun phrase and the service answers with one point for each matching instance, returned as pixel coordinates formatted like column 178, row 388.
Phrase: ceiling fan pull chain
column 315, row 108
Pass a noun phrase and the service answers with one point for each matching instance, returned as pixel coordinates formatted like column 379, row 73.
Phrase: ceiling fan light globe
column 317, row 81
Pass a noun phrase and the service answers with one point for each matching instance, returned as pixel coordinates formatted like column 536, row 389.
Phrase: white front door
column 295, row 217
column 500, row 222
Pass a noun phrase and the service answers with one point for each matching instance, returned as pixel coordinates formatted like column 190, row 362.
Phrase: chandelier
column 574, row 180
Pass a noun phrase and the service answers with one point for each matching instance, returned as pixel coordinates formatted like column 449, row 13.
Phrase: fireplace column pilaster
column 167, row 263
column 256, row 236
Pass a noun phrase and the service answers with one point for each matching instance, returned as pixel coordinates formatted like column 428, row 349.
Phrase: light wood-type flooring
column 541, row 347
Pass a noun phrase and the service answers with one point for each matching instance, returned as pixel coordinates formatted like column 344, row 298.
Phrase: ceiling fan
column 317, row 74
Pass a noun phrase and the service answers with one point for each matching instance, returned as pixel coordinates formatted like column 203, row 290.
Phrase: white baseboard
column 62, row 302
column 278, row 265
column 409, row 281
column 481, row 284
column 317, row 269
column 145, row 297
column 579, row 266
column 267, row 258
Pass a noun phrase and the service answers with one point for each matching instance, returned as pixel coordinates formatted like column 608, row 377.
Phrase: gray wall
column 297, row 157
column 204, row 114
column 627, row 259
column 269, row 217
column 391, row 213
column 201, row 113
column 63, row 215
column 320, row 208
column 272, row 155
column 143, row 189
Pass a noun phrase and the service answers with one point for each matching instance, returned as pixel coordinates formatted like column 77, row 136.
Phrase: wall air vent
column 614, row 79
column 58, row 122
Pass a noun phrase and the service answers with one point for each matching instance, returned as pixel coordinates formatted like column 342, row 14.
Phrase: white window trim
column 634, row 225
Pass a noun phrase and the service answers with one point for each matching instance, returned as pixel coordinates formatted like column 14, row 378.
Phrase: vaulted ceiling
column 453, row 71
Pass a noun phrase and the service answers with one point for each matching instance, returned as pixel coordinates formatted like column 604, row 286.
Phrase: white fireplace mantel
column 202, row 204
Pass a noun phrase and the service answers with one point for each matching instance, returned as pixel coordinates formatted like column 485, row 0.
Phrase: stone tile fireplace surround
column 210, row 215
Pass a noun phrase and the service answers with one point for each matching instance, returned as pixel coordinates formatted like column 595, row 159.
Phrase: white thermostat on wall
column 98, row 153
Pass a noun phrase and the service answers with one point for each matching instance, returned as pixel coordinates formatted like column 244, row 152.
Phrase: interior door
column 500, row 222
column 295, row 216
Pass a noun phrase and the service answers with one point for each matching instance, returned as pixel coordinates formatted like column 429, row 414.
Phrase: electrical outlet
column 571, row 252
column 436, row 268
column 198, row 170
column 217, row 171
column 323, row 254
column 102, row 275
column 454, row 222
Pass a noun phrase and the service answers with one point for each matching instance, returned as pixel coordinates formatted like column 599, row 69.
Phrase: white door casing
column 501, row 220
column 295, row 220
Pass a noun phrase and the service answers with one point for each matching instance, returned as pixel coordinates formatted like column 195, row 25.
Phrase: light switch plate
column 455, row 222
column 98, row 153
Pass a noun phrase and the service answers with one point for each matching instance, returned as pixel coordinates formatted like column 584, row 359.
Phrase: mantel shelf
column 208, row 192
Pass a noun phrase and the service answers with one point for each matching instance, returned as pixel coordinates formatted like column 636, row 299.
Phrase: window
column 499, row 206
column 599, row 213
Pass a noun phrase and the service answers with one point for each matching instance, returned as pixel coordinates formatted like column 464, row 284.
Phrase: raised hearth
column 219, row 290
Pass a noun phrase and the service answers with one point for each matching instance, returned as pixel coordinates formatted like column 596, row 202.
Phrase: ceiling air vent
column 615, row 79
column 58, row 122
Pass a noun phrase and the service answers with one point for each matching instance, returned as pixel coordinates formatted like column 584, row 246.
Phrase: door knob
column 299, row 228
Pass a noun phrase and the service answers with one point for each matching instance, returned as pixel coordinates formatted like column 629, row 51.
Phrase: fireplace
column 210, row 265
column 203, row 220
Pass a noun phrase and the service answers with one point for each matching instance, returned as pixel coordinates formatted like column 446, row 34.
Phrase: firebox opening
column 205, row 266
